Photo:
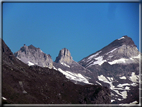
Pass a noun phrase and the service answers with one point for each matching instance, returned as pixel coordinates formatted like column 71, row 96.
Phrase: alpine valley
column 110, row 75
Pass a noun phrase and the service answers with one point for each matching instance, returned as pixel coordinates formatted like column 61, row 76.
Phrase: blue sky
column 83, row 28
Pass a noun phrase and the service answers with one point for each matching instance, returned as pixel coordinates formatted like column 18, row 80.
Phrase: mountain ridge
column 119, row 48
column 23, row 84
column 115, row 65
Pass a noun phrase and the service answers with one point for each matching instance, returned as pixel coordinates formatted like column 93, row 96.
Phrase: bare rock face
column 64, row 57
column 34, row 56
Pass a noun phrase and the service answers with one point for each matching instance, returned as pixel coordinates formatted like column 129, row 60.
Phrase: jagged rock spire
column 64, row 56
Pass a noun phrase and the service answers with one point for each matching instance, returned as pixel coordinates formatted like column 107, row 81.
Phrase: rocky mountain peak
column 34, row 56
column 122, row 51
column 32, row 47
column 126, row 40
column 64, row 56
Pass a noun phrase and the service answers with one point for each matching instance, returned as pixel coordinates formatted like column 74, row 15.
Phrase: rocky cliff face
column 23, row 84
column 64, row 57
column 34, row 56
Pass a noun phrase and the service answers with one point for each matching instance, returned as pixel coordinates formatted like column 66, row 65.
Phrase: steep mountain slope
column 23, row 84
column 71, row 69
column 117, row 66
column 122, row 50
column 34, row 56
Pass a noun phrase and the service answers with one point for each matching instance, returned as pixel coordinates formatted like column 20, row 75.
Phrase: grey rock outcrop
column 64, row 57
column 34, row 56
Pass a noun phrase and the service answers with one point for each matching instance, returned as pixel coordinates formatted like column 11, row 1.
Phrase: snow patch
column 99, row 61
column 133, row 77
column 121, row 60
column 111, row 51
column 4, row 98
column 124, row 60
column 18, row 58
column 127, row 88
column 74, row 76
column 110, row 78
column 30, row 63
column 112, row 100
column 134, row 102
column 124, row 94
column 94, row 55
column 121, row 38
column 134, row 84
column 65, row 64
column 136, row 56
column 54, row 68
column 98, row 82
column 102, row 78
column 121, row 85
column 119, row 99
column 123, row 77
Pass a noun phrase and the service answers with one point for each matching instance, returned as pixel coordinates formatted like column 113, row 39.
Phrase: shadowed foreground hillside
column 23, row 84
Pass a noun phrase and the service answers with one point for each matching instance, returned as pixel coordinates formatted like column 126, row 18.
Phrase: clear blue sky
column 83, row 28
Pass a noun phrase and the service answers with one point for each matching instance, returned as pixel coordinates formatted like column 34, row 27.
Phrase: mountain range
column 23, row 83
column 115, row 66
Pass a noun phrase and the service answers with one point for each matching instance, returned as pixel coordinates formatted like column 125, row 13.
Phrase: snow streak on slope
column 124, row 60
column 65, row 64
column 94, row 55
column 74, row 76
column 111, row 51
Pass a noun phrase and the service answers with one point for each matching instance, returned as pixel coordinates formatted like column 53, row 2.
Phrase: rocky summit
column 122, row 51
column 34, row 56
column 64, row 57
column 23, row 84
